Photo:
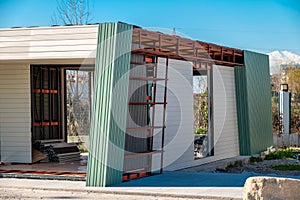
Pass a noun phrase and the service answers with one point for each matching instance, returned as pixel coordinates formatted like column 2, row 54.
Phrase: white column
column 284, row 111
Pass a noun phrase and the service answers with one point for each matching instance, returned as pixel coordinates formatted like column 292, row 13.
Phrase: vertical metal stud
column 50, row 110
column 164, row 116
column 42, row 103
column 58, row 100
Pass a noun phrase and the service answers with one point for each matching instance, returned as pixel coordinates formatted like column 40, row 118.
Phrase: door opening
column 78, row 90
column 202, row 94
column 46, row 104
column 61, row 109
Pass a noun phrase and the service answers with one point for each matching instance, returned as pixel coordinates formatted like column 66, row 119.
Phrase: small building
column 141, row 92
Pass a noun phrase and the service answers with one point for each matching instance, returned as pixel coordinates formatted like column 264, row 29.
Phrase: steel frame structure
column 159, row 44
column 151, row 126
column 202, row 55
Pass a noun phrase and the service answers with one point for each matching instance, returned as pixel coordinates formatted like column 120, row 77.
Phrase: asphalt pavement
column 184, row 185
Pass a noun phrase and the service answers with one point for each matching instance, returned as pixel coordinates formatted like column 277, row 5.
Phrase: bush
column 287, row 167
column 253, row 159
column 281, row 154
column 201, row 130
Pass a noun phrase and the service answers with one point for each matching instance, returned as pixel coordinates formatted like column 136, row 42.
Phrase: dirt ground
column 241, row 164
column 263, row 167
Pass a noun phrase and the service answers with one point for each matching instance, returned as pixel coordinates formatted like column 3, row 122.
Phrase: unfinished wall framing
column 46, row 103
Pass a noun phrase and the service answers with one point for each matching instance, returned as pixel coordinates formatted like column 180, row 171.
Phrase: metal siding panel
column 179, row 135
column 15, row 121
column 259, row 101
column 48, row 42
column 105, row 166
column 224, row 113
column 254, row 103
column 242, row 110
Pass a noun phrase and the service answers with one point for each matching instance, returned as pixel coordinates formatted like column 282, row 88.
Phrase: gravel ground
column 264, row 167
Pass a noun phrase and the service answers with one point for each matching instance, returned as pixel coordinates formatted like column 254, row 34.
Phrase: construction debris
column 59, row 151
column 37, row 156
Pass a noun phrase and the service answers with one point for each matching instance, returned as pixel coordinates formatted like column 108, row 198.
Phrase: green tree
column 201, row 112
column 275, row 86
column 291, row 75
column 293, row 80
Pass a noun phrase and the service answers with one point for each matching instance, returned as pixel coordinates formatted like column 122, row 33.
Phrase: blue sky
column 259, row 25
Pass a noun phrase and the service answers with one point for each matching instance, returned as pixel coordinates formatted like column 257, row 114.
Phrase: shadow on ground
column 195, row 179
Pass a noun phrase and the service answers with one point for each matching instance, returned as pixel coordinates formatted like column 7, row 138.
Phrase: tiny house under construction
column 139, row 98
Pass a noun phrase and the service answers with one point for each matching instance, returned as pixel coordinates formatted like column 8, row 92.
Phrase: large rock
column 269, row 188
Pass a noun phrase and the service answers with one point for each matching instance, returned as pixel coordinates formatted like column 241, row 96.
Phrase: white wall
column 179, row 137
column 20, row 47
column 179, row 154
column 15, row 109
column 225, row 114
column 48, row 43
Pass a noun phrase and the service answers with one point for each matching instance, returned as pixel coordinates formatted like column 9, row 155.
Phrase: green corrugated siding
column 242, row 110
column 108, row 124
column 254, row 103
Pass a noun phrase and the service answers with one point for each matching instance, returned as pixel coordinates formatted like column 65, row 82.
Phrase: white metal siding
column 179, row 115
column 48, row 42
column 50, row 45
column 15, row 118
column 225, row 120
column 225, row 116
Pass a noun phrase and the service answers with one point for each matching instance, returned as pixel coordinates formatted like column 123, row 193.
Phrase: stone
column 270, row 188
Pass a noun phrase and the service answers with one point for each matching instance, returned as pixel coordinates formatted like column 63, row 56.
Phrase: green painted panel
column 254, row 103
column 242, row 110
column 109, row 109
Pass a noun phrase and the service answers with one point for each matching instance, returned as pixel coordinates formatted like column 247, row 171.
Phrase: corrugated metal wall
column 254, row 103
column 107, row 134
column 242, row 110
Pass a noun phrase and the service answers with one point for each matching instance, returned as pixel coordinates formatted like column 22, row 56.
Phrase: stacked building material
column 59, row 151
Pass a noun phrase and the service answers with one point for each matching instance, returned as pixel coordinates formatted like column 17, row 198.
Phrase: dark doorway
column 46, row 103
column 61, row 106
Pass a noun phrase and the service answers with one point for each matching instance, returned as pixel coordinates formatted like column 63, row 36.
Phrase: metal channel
column 153, row 110
column 50, row 103
column 210, row 111
column 58, row 108
column 164, row 116
column 33, row 96
column 42, row 103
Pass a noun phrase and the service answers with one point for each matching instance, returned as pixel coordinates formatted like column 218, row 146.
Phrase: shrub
column 254, row 159
column 287, row 167
column 281, row 154
column 202, row 130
